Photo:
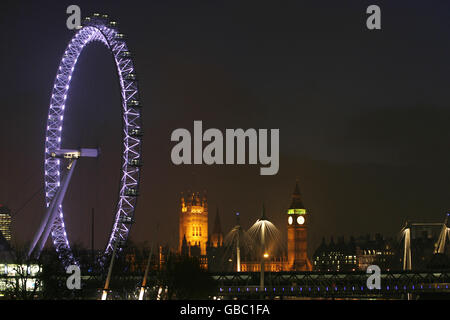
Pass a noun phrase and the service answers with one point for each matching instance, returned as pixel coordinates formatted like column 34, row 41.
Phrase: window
column 196, row 231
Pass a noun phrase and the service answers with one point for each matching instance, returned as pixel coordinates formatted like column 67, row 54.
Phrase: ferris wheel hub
column 75, row 154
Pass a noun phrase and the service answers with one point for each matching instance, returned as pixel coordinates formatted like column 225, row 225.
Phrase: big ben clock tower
column 297, row 219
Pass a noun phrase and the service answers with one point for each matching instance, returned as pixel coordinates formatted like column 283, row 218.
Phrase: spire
column 189, row 199
column 332, row 244
column 238, row 219
column 296, row 198
column 297, row 189
column 184, row 247
column 205, row 200
column 217, row 236
column 264, row 217
column 197, row 199
column 322, row 249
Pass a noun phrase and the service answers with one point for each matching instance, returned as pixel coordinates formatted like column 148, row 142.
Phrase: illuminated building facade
column 356, row 254
column 297, row 231
column 5, row 223
column 19, row 276
column 193, row 228
column 338, row 256
column 13, row 275
column 376, row 251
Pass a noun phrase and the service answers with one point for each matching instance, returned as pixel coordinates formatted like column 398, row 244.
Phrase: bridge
column 394, row 284
column 281, row 285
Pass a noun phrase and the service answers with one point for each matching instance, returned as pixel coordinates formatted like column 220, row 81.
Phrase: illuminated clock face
column 290, row 220
column 300, row 220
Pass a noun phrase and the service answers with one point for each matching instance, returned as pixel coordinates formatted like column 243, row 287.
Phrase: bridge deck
column 309, row 284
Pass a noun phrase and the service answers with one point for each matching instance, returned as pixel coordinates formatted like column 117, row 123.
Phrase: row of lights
column 336, row 288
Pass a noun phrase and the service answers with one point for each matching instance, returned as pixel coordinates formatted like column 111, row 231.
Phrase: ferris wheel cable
column 22, row 185
column 18, row 211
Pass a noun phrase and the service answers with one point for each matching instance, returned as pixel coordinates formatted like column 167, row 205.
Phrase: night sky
column 364, row 116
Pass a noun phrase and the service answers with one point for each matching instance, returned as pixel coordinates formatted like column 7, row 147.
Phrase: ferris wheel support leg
column 108, row 277
column 40, row 231
column 53, row 210
column 59, row 199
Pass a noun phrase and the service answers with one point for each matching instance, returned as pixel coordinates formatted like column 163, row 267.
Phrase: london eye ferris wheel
column 97, row 28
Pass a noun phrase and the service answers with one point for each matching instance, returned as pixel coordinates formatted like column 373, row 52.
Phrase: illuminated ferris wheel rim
column 96, row 28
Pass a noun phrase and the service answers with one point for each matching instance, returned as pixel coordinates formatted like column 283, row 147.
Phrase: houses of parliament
column 195, row 239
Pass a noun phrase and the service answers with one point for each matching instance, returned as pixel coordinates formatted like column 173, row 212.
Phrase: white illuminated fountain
column 237, row 240
column 267, row 237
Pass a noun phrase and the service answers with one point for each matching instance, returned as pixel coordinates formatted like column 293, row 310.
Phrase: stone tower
column 297, row 229
column 194, row 221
